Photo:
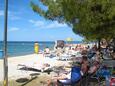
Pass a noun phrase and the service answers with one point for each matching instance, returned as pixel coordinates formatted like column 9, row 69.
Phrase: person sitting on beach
column 82, row 69
column 84, row 51
column 91, row 52
column 94, row 67
column 104, row 44
column 59, row 52
column 84, row 65
column 46, row 51
column 74, row 75
column 97, row 56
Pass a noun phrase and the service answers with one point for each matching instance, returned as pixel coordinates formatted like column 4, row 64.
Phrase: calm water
column 25, row 48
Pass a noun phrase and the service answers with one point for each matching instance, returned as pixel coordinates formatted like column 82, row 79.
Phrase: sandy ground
column 33, row 60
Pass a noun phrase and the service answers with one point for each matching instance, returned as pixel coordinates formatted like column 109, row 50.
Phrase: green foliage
column 92, row 19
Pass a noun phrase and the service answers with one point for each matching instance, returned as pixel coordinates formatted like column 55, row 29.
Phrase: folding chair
column 75, row 78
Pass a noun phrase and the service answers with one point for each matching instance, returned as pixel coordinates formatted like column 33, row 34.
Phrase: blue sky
column 25, row 25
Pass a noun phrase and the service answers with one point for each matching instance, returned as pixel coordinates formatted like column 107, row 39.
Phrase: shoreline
column 17, row 56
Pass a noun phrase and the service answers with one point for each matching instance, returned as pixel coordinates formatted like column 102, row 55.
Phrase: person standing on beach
column 36, row 48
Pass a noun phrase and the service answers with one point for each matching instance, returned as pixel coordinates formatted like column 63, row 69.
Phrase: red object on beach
column 112, row 81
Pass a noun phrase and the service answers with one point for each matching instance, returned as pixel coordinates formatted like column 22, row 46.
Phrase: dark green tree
column 92, row 19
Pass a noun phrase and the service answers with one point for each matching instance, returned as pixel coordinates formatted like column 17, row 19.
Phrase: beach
column 33, row 60
column 21, row 57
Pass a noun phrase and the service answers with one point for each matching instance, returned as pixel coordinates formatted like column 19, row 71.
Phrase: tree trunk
column 99, row 47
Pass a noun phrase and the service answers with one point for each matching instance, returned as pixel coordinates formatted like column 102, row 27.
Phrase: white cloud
column 37, row 23
column 13, row 29
column 55, row 25
column 1, row 12
column 46, row 25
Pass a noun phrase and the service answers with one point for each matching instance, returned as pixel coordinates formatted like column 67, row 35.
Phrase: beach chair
column 65, row 57
column 28, row 67
column 35, row 68
column 75, row 78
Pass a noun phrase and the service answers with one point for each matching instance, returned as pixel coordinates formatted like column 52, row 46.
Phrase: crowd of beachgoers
column 59, row 63
column 106, row 51
column 89, row 56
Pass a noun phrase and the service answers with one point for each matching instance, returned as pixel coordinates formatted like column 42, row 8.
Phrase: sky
column 26, row 25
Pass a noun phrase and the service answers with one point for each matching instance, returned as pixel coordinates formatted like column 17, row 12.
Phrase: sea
column 19, row 48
